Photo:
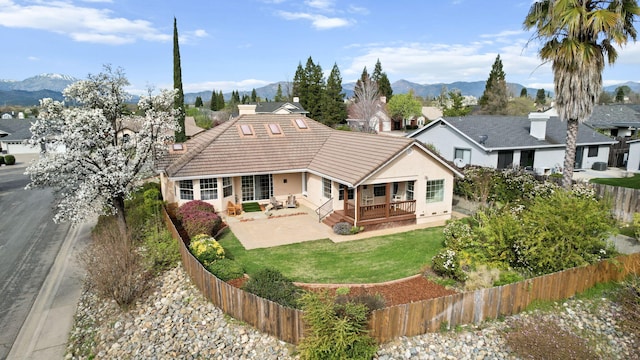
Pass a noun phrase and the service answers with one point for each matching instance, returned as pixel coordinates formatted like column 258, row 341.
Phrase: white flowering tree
column 94, row 168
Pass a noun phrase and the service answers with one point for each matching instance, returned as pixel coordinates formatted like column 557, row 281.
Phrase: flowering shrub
column 446, row 263
column 199, row 217
column 206, row 249
column 457, row 235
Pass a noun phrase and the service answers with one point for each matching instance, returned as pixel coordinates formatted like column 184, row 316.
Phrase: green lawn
column 628, row 182
column 370, row 260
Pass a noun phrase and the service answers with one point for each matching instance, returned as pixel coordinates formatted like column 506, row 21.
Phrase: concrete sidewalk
column 45, row 332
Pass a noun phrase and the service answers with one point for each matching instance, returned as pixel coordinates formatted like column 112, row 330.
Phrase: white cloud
column 319, row 22
column 33, row 58
column 83, row 24
column 320, row 4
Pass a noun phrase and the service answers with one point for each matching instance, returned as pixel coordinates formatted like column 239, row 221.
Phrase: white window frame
column 227, row 187
column 186, row 189
column 435, row 191
column 326, row 188
column 209, row 189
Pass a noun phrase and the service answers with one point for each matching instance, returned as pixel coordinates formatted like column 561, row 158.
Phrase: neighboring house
column 429, row 113
column 284, row 107
column 190, row 127
column 380, row 122
column 127, row 127
column 633, row 159
column 615, row 120
column 13, row 132
column 365, row 179
column 536, row 142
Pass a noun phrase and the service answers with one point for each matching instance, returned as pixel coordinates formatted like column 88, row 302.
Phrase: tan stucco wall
column 293, row 185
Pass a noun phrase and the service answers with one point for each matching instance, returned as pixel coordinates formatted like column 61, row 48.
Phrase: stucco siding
column 446, row 141
column 633, row 161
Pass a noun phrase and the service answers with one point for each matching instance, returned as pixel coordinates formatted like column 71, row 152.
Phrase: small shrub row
column 226, row 269
column 7, row 160
column 199, row 217
column 206, row 249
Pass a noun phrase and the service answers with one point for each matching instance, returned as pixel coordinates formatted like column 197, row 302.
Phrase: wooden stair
column 334, row 218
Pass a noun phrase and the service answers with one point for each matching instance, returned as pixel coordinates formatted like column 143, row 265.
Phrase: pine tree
column 541, row 97
column 364, row 77
column 213, row 104
column 334, row 109
column 523, row 92
column 300, row 85
column 198, row 102
column 254, row 96
column 279, row 96
column 220, row 101
column 380, row 77
column 177, row 84
column 495, row 97
column 308, row 85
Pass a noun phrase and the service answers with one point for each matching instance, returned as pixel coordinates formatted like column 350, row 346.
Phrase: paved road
column 29, row 243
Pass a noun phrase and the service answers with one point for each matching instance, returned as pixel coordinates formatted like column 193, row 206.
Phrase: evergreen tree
column 457, row 107
column 213, row 104
column 279, row 96
column 364, row 78
column 220, row 101
column 380, row 77
column 254, row 96
column 198, row 102
column 619, row 95
column 308, row 85
column 246, row 99
column 523, row 92
column 495, row 97
column 334, row 109
column 177, row 84
column 541, row 97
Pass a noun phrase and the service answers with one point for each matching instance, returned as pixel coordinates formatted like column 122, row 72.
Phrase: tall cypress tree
column 334, row 110
column 495, row 97
column 213, row 103
column 364, row 77
column 279, row 96
column 254, row 95
column 220, row 101
column 177, row 84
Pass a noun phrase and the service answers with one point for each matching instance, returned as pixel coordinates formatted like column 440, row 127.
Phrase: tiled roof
column 347, row 157
column 512, row 132
column 611, row 116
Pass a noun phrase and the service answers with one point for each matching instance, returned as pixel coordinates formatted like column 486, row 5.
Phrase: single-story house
column 536, row 142
column 13, row 132
column 615, row 120
column 365, row 179
column 633, row 159
column 280, row 107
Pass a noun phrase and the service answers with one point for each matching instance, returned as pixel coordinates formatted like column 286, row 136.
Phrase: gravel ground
column 176, row 322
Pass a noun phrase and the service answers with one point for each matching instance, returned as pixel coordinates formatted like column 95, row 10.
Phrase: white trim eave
column 599, row 143
column 176, row 178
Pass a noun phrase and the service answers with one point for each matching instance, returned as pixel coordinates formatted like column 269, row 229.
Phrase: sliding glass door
column 257, row 187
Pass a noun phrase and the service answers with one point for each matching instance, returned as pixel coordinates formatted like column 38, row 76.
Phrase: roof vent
column 482, row 139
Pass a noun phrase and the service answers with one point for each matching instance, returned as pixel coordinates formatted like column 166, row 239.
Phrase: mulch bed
column 395, row 293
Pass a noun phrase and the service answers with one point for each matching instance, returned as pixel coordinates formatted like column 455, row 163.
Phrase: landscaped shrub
column 199, row 217
column 272, row 285
column 371, row 301
column 334, row 331
column 9, row 159
column 563, row 231
column 457, row 235
column 206, row 249
column 446, row 263
column 342, row 228
column 115, row 269
column 161, row 250
column 636, row 225
column 1, row 160
column 226, row 269
column 143, row 211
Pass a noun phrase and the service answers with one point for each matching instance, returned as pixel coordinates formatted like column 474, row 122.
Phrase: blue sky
column 243, row 44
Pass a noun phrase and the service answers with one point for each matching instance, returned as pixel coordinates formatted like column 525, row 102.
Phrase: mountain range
column 29, row 91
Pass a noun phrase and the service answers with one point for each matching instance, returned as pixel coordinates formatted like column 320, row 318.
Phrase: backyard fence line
column 625, row 201
column 414, row 318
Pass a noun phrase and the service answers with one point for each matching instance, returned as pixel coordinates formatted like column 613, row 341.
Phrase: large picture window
column 380, row 190
column 186, row 189
column 208, row 189
column 227, row 188
column 435, row 190
column 326, row 188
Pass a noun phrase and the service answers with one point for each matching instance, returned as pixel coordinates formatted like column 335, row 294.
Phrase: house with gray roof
column 365, row 179
column 615, row 120
column 13, row 132
column 536, row 142
column 280, row 107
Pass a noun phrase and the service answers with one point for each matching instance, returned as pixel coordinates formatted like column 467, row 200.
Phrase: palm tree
column 578, row 36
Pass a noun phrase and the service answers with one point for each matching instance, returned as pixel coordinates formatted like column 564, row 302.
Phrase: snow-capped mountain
column 53, row 82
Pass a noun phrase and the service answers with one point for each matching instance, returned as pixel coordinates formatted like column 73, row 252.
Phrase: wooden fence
column 408, row 319
column 625, row 201
column 269, row 317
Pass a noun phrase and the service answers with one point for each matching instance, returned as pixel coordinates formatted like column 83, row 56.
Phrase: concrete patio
column 288, row 226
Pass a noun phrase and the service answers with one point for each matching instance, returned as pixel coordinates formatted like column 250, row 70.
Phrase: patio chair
column 291, row 202
column 276, row 204
column 233, row 209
